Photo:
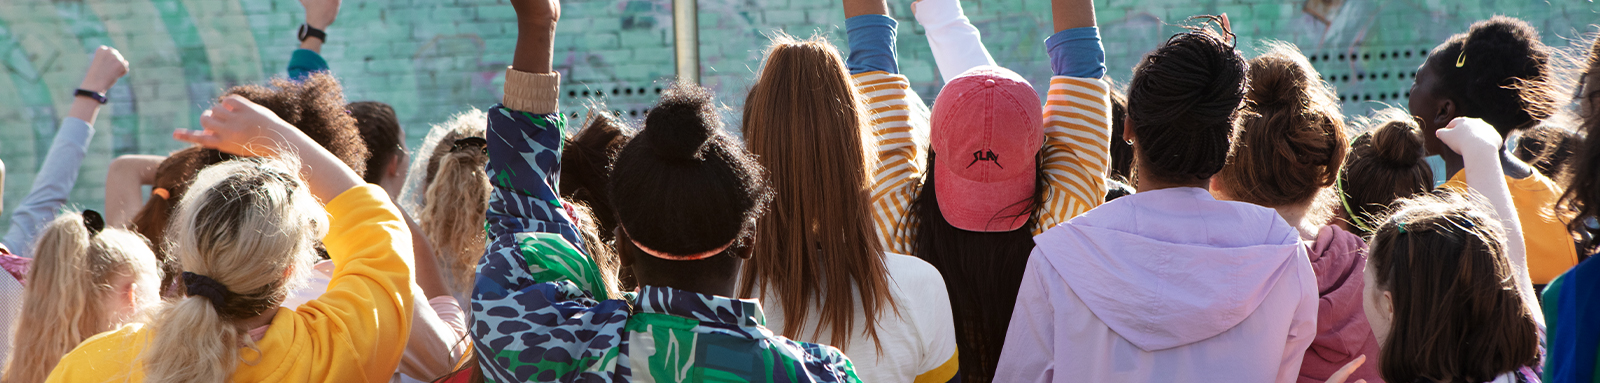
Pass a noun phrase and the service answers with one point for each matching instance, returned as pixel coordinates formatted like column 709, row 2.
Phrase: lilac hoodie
column 1167, row 285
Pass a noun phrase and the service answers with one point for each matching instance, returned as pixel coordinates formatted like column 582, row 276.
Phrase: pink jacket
column 1164, row 286
column 1342, row 331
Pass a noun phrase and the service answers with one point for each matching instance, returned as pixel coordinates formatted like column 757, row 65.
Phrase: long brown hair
column 805, row 123
column 1458, row 315
column 1583, row 187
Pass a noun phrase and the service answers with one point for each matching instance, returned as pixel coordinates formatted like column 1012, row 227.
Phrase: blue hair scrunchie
column 196, row 284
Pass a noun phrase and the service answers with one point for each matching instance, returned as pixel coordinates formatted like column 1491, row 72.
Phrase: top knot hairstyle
column 1292, row 142
column 682, row 186
column 1503, row 77
column 1386, row 163
column 1183, row 101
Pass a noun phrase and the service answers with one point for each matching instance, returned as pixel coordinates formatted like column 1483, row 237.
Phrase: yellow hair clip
column 1461, row 59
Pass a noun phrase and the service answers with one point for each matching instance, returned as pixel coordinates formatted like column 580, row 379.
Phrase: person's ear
column 397, row 164
column 1386, row 306
column 1127, row 129
column 1444, row 112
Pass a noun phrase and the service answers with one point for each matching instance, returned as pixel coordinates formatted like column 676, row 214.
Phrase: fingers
column 234, row 103
column 1349, row 368
column 201, row 138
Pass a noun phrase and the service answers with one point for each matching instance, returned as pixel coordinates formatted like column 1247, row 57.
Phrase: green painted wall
column 431, row 59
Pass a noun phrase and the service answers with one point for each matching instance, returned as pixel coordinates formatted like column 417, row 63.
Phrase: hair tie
column 676, row 257
column 93, row 221
column 1401, row 226
column 196, row 284
column 1344, row 199
column 1461, row 59
column 469, row 142
column 161, row 192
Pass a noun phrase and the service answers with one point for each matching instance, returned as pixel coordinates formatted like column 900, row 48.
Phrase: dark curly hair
column 316, row 106
column 1504, row 77
column 1183, row 101
column 682, row 185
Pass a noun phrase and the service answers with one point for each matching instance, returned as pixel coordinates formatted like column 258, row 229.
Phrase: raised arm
column 60, row 169
column 308, row 59
column 1077, row 120
column 125, row 180
column 1479, row 145
column 957, row 45
column 887, row 94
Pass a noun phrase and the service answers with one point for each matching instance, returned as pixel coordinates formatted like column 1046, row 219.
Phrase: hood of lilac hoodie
column 1172, row 267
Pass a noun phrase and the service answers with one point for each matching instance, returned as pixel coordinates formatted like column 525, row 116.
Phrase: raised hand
column 536, row 32
column 107, row 66
column 1471, row 136
column 320, row 13
column 537, row 10
column 240, row 127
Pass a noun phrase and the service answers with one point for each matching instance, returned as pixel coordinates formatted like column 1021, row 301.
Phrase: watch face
column 302, row 32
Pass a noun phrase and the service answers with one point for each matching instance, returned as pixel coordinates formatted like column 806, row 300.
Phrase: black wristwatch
column 97, row 96
column 306, row 31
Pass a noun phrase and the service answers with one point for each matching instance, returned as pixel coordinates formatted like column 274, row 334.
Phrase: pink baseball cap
column 987, row 130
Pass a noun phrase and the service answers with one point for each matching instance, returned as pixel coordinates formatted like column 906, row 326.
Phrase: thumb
column 197, row 137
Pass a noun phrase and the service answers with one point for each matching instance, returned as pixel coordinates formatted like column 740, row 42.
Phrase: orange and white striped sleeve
column 897, row 175
column 1077, row 130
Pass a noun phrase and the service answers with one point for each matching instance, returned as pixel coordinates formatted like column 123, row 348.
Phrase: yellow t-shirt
column 353, row 333
column 1550, row 245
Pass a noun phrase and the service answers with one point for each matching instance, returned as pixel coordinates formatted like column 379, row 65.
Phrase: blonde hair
column 454, row 191
column 247, row 224
column 73, row 272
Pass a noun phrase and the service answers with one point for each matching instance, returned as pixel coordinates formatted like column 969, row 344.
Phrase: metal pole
column 686, row 39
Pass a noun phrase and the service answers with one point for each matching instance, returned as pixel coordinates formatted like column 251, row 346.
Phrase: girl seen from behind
column 1291, row 144
column 818, row 266
column 1169, row 284
column 999, row 168
column 1386, row 163
column 244, row 235
column 448, row 191
column 85, row 279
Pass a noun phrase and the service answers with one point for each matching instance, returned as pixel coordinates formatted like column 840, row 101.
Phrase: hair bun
column 1277, row 83
column 679, row 126
column 1398, row 143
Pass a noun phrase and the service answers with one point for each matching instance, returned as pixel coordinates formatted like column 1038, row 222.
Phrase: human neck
column 711, row 280
column 1152, row 183
column 1295, row 215
column 260, row 320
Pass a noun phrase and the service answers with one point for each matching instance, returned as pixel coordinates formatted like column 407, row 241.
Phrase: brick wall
column 431, row 59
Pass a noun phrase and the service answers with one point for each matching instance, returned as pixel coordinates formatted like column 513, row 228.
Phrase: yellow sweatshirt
column 1550, row 246
column 353, row 333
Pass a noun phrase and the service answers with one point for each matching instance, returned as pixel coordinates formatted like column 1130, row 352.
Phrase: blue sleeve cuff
column 871, row 44
column 304, row 62
column 1077, row 52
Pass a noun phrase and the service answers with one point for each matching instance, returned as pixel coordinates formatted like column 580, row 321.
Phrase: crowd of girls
column 1216, row 219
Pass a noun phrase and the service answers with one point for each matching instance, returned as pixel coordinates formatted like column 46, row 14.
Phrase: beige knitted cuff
column 536, row 93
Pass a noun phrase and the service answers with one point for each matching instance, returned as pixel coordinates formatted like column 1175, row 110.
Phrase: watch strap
column 97, row 96
column 306, row 31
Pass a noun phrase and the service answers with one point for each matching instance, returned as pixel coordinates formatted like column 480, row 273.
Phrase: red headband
column 675, row 257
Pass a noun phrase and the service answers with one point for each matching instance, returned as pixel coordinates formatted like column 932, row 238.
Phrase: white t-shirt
column 438, row 328
column 920, row 340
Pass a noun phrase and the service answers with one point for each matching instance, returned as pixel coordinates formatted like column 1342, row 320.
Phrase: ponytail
column 453, row 215
column 233, row 270
column 74, row 270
